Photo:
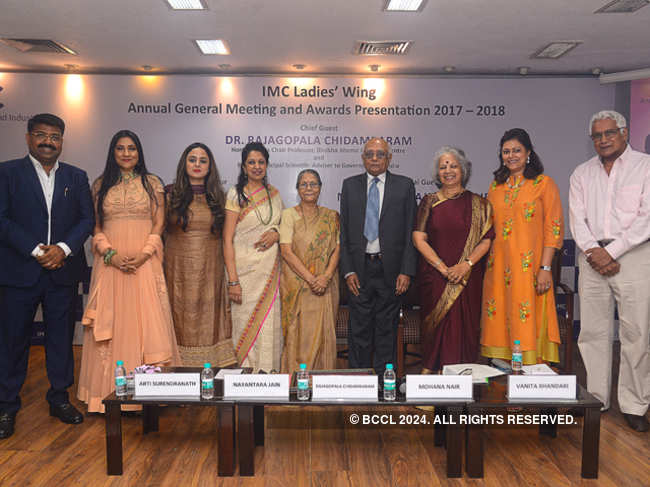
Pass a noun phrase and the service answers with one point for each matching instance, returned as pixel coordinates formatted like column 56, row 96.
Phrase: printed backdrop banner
column 640, row 115
column 319, row 123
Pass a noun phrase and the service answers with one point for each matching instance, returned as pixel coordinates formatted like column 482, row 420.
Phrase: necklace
column 304, row 215
column 515, row 184
column 257, row 211
column 454, row 196
column 127, row 177
column 510, row 197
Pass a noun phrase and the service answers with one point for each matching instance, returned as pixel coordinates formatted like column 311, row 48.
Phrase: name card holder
column 350, row 387
column 183, row 384
column 256, row 386
column 541, row 387
column 431, row 386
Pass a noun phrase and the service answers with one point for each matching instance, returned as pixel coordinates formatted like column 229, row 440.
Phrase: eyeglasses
column 369, row 154
column 608, row 134
column 41, row 136
column 310, row 185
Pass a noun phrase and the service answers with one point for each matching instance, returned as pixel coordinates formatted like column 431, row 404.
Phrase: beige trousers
column 629, row 290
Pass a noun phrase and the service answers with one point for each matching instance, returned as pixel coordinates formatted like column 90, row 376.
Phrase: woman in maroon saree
column 453, row 232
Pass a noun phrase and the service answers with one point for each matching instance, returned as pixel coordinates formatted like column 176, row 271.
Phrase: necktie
column 371, row 226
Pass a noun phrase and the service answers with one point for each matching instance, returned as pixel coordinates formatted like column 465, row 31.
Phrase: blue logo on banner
column 569, row 253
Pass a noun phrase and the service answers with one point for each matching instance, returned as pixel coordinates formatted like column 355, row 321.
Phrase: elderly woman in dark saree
column 453, row 232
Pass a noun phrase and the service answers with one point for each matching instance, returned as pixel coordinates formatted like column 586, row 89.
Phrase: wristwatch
column 545, row 267
column 471, row 264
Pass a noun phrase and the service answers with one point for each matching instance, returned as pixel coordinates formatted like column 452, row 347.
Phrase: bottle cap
column 517, row 342
column 389, row 366
column 303, row 366
column 120, row 362
column 207, row 365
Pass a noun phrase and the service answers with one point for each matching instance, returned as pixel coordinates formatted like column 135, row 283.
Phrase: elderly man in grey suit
column 377, row 254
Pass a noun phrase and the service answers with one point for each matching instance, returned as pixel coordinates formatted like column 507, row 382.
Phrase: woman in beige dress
column 250, row 237
column 128, row 315
column 309, row 242
column 194, row 266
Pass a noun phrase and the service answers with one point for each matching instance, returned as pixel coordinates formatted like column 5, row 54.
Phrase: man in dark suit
column 377, row 255
column 46, row 214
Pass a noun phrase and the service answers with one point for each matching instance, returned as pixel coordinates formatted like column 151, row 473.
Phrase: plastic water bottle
column 120, row 379
column 389, row 383
column 303, row 383
column 207, row 381
column 517, row 358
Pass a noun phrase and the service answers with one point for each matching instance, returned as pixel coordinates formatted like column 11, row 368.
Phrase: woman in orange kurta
column 518, row 298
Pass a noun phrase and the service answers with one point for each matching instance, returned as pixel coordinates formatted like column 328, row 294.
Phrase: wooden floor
column 304, row 447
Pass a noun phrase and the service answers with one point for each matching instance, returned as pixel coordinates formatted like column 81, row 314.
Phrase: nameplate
column 271, row 386
column 345, row 387
column 430, row 386
column 167, row 384
column 541, row 387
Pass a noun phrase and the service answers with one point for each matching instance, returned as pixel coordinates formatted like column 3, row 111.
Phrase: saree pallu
column 450, row 313
column 308, row 320
column 256, row 322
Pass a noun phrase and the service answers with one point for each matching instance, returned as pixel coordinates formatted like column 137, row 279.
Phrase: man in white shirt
column 609, row 209
column 46, row 214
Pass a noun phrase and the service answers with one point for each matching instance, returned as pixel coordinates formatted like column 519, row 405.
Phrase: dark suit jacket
column 396, row 223
column 23, row 221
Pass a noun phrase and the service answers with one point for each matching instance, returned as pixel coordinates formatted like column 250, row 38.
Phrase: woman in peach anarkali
column 128, row 316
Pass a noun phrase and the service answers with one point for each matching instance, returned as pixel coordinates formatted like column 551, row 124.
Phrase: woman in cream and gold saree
column 453, row 232
column 250, row 237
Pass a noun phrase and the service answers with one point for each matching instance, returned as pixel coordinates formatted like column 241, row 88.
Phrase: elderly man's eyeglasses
column 608, row 134
column 310, row 185
column 41, row 136
column 369, row 154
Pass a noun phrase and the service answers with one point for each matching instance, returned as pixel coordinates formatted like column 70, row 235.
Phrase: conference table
column 250, row 425
column 448, row 429
column 492, row 397
column 224, row 429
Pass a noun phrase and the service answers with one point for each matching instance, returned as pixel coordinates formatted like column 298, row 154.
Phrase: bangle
column 471, row 264
column 233, row 283
column 109, row 255
column 545, row 268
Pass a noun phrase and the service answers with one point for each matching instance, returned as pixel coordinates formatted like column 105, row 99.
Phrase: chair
column 565, row 318
column 409, row 329
column 342, row 328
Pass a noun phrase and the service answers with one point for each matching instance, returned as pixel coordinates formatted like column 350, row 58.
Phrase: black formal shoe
column 637, row 423
column 66, row 412
column 7, row 422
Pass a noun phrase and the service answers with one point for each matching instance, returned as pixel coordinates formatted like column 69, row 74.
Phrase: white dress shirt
column 611, row 207
column 373, row 247
column 47, row 185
